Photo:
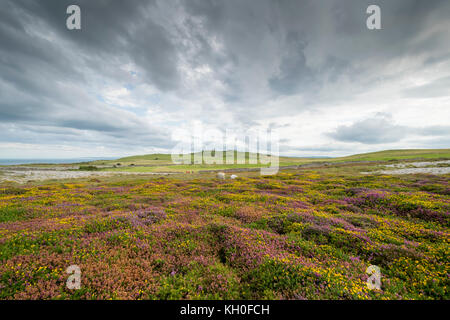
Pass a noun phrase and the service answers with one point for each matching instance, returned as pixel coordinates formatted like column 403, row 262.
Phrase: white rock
column 221, row 176
column 233, row 176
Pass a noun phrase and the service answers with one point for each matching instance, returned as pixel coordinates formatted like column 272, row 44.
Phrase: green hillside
column 372, row 156
column 163, row 162
column 405, row 154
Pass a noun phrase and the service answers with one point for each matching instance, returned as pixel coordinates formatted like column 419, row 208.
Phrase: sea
column 51, row 161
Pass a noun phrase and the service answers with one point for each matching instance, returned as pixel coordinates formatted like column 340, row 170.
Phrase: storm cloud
column 138, row 70
column 381, row 129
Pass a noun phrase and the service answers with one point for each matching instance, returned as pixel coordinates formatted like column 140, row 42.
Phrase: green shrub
column 12, row 214
column 273, row 276
column 88, row 168
column 13, row 191
column 106, row 225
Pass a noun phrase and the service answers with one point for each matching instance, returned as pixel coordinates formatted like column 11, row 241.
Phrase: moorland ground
column 305, row 233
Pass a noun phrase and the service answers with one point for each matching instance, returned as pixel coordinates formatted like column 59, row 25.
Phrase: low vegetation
column 301, row 234
column 88, row 168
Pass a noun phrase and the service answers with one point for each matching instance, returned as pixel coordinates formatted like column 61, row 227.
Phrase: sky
column 138, row 71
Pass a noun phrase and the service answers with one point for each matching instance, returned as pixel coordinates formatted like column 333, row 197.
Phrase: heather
column 300, row 234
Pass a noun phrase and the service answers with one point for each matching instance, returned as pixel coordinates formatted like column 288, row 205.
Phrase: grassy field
column 390, row 155
column 385, row 155
column 308, row 233
column 163, row 162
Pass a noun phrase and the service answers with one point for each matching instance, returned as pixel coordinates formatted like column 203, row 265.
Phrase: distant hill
column 387, row 155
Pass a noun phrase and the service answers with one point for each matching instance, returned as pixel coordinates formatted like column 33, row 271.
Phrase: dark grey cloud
column 110, row 30
column 32, row 134
column 307, row 45
column 372, row 131
column 44, row 68
column 381, row 129
column 293, row 70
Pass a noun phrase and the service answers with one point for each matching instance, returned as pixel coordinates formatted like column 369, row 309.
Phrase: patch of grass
column 391, row 155
column 106, row 225
column 9, row 214
column 13, row 191
column 88, row 168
